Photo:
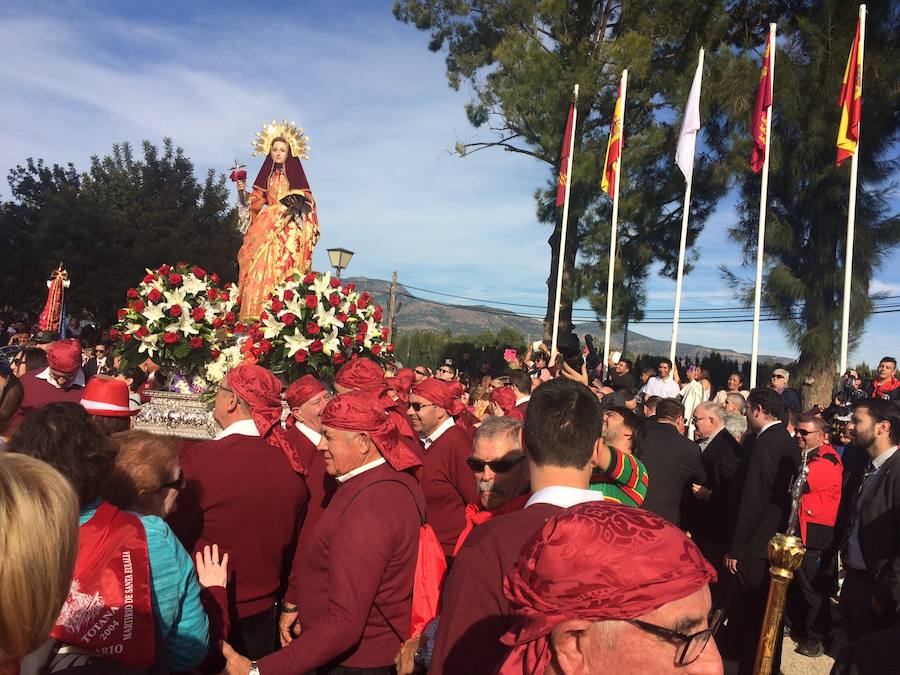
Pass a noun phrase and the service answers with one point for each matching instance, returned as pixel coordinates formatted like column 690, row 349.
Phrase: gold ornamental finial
column 287, row 130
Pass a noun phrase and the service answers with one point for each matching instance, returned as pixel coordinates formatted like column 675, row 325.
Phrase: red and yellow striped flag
column 564, row 159
column 851, row 103
column 614, row 148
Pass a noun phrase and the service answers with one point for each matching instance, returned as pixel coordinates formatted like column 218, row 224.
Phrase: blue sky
column 78, row 77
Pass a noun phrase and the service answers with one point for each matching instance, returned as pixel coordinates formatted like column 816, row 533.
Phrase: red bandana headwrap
column 64, row 356
column 361, row 374
column 505, row 397
column 363, row 411
column 402, row 383
column 300, row 392
column 261, row 390
column 645, row 563
column 442, row 394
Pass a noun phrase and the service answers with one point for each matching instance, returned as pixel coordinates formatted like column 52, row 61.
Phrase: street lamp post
column 340, row 258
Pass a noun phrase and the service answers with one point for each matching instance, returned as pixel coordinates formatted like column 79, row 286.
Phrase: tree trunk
column 817, row 384
column 568, row 283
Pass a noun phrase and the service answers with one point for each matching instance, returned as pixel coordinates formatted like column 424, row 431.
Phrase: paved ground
column 793, row 663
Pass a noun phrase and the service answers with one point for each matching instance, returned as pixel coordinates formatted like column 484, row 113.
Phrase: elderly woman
column 136, row 561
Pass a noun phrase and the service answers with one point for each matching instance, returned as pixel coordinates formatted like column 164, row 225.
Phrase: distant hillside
column 416, row 313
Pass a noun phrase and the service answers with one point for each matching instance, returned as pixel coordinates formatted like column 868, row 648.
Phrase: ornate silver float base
column 173, row 414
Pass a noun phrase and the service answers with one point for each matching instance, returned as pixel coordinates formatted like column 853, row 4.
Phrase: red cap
column 64, row 356
column 107, row 397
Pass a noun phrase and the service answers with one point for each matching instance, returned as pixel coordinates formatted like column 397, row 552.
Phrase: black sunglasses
column 805, row 432
column 497, row 465
column 422, row 373
column 418, row 406
column 690, row 647
column 177, row 484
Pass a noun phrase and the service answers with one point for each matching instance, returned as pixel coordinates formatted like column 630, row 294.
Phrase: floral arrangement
column 180, row 318
column 312, row 324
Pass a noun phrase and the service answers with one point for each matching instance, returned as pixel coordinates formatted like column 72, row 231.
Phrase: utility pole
column 392, row 307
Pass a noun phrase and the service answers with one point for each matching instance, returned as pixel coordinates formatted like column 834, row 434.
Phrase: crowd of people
column 555, row 518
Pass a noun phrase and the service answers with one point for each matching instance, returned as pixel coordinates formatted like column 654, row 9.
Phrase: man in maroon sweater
column 62, row 381
column 562, row 441
column 446, row 479
column 356, row 577
column 244, row 491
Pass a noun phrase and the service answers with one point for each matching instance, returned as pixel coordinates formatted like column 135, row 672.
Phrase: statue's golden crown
column 287, row 130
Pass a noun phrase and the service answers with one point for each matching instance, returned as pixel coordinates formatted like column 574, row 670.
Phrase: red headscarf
column 64, row 356
column 401, row 383
column 645, row 563
column 261, row 390
column 505, row 397
column 361, row 374
column 442, row 394
column 363, row 411
column 300, row 392
column 293, row 169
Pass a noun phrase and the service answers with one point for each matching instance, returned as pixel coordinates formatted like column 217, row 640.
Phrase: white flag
column 687, row 139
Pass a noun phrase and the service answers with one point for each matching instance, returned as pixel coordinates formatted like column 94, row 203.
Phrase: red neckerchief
column 475, row 515
column 878, row 390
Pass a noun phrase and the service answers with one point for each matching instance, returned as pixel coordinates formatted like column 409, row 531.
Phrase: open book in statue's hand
column 297, row 202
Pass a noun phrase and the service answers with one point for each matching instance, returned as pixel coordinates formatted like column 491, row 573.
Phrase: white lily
column 192, row 285
column 331, row 344
column 322, row 285
column 326, row 318
column 148, row 345
column 295, row 343
column 174, row 297
column 152, row 313
column 186, row 325
column 273, row 327
column 296, row 306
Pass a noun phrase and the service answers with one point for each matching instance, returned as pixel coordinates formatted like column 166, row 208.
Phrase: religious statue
column 279, row 223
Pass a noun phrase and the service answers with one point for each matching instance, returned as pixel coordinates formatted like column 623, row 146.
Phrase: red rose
column 225, row 296
column 335, row 283
column 113, row 333
column 214, row 278
column 198, row 313
column 199, row 272
column 349, row 288
column 312, row 301
column 347, row 340
column 214, row 353
column 212, row 294
column 239, row 328
column 126, row 337
column 386, row 334
column 154, row 295
column 309, row 278
column 360, row 338
column 170, row 338
column 390, row 348
column 175, row 310
column 288, row 319
column 164, row 270
column 138, row 306
column 217, row 322
column 316, row 346
column 196, row 342
column 265, row 346
column 255, row 332
column 277, row 305
column 364, row 300
column 142, row 332
column 175, row 278
column 301, row 355
column 180, row 263
column 230, row 317
column 132, row 293
column 376, row 349
column 363, row 327
column 337, row 358
column 263, row 315
column 149, row 279
column 122, row 313
column 377, row 313
column 313, row 328
column 334, row 299
column 352, row 308
column 288, row 294
column 341, row 316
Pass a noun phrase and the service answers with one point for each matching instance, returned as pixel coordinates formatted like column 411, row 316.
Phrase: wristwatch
column 254, row 668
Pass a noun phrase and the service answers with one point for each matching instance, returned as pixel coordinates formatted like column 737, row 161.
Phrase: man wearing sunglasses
column 809, row 596
column 645, row 608
column 61, row 381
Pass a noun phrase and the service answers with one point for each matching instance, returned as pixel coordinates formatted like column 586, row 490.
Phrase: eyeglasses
column 177, row 484
column 806, row 432
column 698, row 419
column 446, row 371
column 497, row 465
column 778, row 377
column 690, row 647
column 222, row 387
column 418, row 406
column 421, row 372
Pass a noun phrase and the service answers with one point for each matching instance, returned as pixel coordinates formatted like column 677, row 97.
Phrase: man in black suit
column 100, row 363
column 870, row 597
column 705, row 513
column 673, row 462
column 770, row 460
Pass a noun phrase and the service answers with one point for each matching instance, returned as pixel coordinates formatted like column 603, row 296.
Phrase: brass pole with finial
column 785, row 554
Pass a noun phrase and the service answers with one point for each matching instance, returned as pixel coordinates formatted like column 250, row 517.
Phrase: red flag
column 564, row 159
column 614, row 147
column 851, row 103
column 761, row 112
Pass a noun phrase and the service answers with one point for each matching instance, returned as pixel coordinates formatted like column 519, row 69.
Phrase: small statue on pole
column 52, row 316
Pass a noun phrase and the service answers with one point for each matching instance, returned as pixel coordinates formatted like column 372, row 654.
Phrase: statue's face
column 279, row 152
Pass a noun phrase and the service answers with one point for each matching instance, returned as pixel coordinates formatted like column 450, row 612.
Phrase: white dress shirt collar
column 770, row 424
column 313, row 435
column 246, row 427
column 879, row 461
column 360, row 469
column 563, row 497
column 524, row 399
column 436, row 434
column 45, row 375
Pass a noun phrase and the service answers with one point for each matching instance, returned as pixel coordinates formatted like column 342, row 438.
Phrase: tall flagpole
column 614, row 229
column 683, row 245
column 763, row 195
column 851, row 214
column 564, row 231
